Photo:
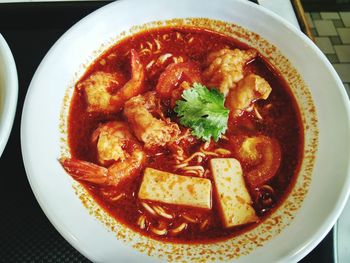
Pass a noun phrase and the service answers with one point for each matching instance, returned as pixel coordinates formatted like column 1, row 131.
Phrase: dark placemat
column 26, row 235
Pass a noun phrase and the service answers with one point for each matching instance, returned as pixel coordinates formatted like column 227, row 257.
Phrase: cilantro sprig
column 203, row 111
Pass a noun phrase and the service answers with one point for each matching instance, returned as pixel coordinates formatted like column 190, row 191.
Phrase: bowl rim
column 303, row 249
column 10, row 99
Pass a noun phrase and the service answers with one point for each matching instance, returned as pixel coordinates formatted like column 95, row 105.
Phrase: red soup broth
column 281, row 121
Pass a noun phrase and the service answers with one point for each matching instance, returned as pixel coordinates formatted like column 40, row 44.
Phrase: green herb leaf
column 203, row 111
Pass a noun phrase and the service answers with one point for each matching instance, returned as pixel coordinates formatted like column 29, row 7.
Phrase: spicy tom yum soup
column 184, row 135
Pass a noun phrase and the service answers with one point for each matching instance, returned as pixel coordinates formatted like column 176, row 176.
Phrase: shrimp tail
column 85, row 171
column 134, row 86
column 136, row 65
column 93, row 173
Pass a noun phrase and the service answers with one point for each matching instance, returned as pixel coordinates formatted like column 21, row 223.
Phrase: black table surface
column 26, row 235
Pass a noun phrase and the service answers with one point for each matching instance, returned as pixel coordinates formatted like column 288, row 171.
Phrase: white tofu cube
column 175, row 189
column 232, row 195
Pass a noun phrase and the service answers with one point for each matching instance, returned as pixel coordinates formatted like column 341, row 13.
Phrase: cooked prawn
column 176, row 78
column 248, row 90
column 176, row 73
column 114, row 143
column 261, row 153
column 111, row 138
column 141, row 112
column 225, row 68
column 100, row 87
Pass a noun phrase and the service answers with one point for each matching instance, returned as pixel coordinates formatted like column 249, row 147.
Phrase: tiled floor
column 332, row 34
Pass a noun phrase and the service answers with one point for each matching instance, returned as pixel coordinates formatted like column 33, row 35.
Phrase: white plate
column 41, row 130
column 8, row 92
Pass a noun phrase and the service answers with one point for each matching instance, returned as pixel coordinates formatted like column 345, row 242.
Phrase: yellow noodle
column 164, row 57
column 208, row 153
column 114, row 199
column 111, row 56
column 150, row 64
column 145, row 51
column 159, row 232
column 224, row 137
column 142, row 222
column 181, row 165
column 184, row 135
column 179, row 155
column 178, row 35
column 204, row 224
column 257, row 114
column 268, row 106
column 267, row 187
column 157, row 44
column 148, row 208
column 149, row 44
column 194, row 167
column 205, row 175
column 194, row 155
column 178, row 229
column 160, row 211
column 166, row 37
column 195, row 172
column 222, row 151
column 189, row 219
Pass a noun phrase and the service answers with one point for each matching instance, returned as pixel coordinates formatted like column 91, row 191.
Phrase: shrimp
column 247, row 91
column 114, row 143
column 111, row 138
column 141, row 112
column 261, row 153
column 176, row 78
column 225, row 68
column 99, row 87
column 172, row 75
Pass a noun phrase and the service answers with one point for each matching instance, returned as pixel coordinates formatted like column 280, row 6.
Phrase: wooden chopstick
column 304, row 25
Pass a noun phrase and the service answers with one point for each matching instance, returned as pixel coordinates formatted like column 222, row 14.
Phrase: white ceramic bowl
column 323, row 186
column 8, row 92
